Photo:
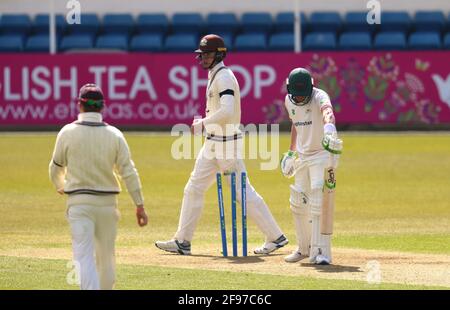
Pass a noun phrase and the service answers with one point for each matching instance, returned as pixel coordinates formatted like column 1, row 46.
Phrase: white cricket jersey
column 308, row 121
column 223, row 102
column 87, row 155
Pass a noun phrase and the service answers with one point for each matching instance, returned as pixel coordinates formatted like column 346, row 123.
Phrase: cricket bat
column 326, row 225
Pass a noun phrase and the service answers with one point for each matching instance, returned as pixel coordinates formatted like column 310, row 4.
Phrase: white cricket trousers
column 309, row 179
column 94, row 230
column 201, row 179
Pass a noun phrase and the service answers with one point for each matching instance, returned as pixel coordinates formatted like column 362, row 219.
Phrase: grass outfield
column 46, row 274
column 392, row 202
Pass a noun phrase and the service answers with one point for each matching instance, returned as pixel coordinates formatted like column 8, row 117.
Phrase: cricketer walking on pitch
column 220, row 152
column 87, row 155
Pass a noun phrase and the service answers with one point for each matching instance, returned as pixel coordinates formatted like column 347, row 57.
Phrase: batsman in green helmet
column 299, row 86
column 314, row 147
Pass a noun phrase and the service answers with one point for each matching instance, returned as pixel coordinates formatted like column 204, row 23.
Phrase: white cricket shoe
column 294, row 257
column 269, row 247
column 321, row 260
column 175, row 246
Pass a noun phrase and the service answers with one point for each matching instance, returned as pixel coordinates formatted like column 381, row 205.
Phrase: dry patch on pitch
column 348, row 264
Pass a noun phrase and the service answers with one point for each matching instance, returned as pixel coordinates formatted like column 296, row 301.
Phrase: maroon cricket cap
column 90, row 91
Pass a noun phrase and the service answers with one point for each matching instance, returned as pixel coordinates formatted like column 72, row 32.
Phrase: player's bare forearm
column 293, row 138
column 330, row 141
column 328, row 116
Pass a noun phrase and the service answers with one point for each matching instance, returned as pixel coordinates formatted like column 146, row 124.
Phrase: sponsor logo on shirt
column 306, row 123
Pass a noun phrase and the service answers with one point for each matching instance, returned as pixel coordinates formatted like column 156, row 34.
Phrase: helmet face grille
column 296, row 102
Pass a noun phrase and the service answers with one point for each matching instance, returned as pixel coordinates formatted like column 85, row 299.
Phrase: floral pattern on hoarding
column 387, row 92
column 325, row 74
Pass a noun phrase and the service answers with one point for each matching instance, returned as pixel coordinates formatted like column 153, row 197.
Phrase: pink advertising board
column 165, row 89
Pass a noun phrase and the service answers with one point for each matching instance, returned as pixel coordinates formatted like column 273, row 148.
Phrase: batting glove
column 287, row 163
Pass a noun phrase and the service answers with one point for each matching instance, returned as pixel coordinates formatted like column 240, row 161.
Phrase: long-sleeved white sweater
column 88, row 158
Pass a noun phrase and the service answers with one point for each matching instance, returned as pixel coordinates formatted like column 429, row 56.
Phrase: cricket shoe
column 321, row 260
column 269, row 247
column 175, row 246
column 294, row 257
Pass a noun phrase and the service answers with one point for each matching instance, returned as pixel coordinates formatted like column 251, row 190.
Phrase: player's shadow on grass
column 234, row 260
column 252, row 259
column 244, row 260
column 332, row 268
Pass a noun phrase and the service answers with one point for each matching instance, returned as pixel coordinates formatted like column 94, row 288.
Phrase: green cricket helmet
column 299, row 84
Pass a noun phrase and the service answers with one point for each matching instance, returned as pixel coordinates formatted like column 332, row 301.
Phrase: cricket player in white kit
column 87, row 156
column 314, row 143
column 223, row 116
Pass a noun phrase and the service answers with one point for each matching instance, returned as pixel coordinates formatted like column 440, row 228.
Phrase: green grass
column 51, row 274
column 415, row 243
column 393, row 194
